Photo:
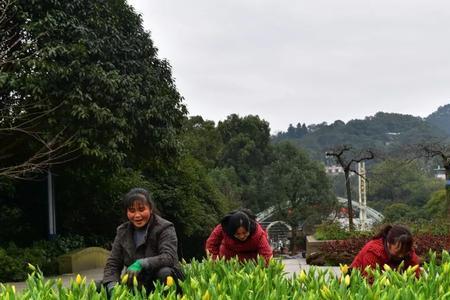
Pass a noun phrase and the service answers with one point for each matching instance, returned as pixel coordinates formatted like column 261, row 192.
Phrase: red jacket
column 220, row 244
column 374, row 253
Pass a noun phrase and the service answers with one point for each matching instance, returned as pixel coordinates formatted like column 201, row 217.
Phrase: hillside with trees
column 441, row 118
column 384, row 131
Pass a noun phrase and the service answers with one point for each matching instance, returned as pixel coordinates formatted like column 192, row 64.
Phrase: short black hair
column 137, row 194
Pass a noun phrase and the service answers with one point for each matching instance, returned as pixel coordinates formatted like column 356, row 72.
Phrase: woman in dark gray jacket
column 146, row 245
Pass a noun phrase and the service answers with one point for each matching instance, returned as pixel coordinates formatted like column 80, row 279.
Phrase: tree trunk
column 349, row 200
column 293, row 239
column 447, row 189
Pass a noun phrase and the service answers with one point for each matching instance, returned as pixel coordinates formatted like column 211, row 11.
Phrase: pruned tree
column 25, row 150
column 24, row 147
column 436, row 149
column 348, row 157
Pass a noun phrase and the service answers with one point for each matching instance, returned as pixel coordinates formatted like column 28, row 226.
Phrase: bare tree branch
column 442, row 150
column 346, row 158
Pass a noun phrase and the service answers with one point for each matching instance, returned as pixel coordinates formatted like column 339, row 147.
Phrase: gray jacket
column 158, row 250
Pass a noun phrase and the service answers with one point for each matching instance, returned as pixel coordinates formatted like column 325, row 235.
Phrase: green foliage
column 187, row 196
column 202, row 140
column 438, row 227
column 395, row 181
column 298, row 186
column 435, row 207
column 227, row 181
column 331, row 231
column 334, row 231
column 246, row 143
column 218, row 280
column 98, row 67
column 441, row 118
column 13, row 261
column 42, row 253
column 246, row 149
column 399, row 211
column 384, row 131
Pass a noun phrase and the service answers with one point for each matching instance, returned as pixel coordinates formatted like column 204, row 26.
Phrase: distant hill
column 441, row 118
column 383, row 131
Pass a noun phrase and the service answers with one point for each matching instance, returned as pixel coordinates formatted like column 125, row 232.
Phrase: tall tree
column 348, row 158
column 24, row 148
column 95, row 62
column 298, row 187
column 442, row 151
column 94, row 71
column 246, row 148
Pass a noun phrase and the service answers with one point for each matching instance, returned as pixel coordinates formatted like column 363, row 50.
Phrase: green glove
column 135, row 267
column 133, row 271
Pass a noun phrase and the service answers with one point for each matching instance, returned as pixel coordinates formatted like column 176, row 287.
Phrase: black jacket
column 159, row 249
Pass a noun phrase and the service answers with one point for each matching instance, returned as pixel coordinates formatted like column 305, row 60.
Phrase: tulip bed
column 208, row 279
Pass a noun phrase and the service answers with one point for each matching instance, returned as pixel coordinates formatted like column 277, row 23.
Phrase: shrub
column 44, row 254
column 344, row 251
column 334, row 231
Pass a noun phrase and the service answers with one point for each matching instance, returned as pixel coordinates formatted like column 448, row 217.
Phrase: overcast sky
column 304, row 61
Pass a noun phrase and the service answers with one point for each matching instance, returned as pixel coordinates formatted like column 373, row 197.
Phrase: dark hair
column 394, row 234
column 237, row 218
column 137, row 194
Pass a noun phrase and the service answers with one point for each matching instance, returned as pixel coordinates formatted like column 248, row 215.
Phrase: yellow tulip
column 32, row 268
column 344, row 268
column 446, row 267
column 206, row 296
column 194, row 283
column 125, row 279
column 347, row 280
column 135, row 282
column 302, row 276
column 325, row 291
column 78, row 279
column 169, row 281
column 386, row 267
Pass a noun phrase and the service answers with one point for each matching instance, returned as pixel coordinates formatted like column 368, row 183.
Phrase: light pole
column 51, row 206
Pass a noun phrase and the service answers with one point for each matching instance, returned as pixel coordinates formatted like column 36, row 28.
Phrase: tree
column 298, row 187
column 93, row 75
column 23, row 147
column 202, row 139
column 115, row 97
column 397, row 211
column 246, row 148
column 348, row 158
column 435, row 206
column 442, row 151
column 400, row 181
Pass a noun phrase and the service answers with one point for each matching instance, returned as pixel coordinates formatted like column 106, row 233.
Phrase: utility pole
column 51, row 206
column 362, row 195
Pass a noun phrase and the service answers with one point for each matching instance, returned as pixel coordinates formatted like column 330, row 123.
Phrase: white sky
column 304, row 61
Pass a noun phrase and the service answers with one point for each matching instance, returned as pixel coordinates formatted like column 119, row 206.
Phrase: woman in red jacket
column 391, row 246
column 238, row 234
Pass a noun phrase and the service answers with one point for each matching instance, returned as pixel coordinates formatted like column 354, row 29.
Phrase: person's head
column 238, row 225
column 398, row 240
column 138, row 206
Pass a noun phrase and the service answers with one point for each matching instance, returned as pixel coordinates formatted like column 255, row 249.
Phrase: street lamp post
column 51, row 206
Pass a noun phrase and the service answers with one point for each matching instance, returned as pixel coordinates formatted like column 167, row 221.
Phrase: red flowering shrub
column 344, row 251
